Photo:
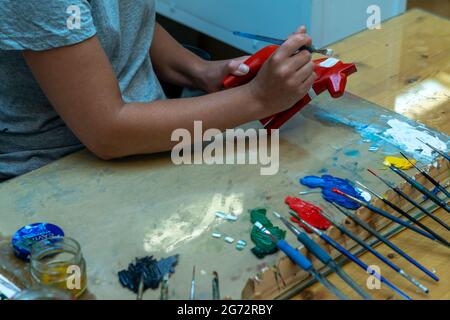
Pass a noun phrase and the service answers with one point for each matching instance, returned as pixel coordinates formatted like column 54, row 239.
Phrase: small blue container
column 27, row 236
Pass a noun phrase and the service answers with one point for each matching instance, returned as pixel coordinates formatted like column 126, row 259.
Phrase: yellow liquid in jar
column 57, row 275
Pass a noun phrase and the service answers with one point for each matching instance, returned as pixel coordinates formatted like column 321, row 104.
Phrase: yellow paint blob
column 399, row 163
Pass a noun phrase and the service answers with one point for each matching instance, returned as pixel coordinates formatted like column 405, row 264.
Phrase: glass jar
column 59, row 262
column 44, row 293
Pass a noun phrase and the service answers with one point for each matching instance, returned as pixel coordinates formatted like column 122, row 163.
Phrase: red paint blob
column 308, row 212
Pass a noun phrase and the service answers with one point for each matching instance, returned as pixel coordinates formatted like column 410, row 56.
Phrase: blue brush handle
column 392, row 246
column 295, row 256
column 326, row 259
column 411, row 260
column 400, row 221
column 370, row 249
column 364, row 266
column 314, row 248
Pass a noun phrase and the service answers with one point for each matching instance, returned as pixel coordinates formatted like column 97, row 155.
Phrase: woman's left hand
column 214, row 72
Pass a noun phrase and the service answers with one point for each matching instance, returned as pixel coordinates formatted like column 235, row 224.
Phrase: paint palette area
column 147, row 206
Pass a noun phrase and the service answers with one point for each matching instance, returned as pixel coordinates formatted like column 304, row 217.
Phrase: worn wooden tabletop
column 404, row 67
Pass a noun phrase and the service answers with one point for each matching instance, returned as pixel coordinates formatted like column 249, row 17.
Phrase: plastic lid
column 27, row 236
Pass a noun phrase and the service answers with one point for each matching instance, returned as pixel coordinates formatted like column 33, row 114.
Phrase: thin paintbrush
column 387, row 215
column 323, row 256
column 192, row 292
column 421, row 188
column 428, row 177
column 164, row 295
column 407, row 198
column 301, row 261
column 439, row 239
column 375, row 253
column 387, row 242
column 215, row 286
column 326, row 52
column 140, row 292
column 446, row 156
column 350, row 256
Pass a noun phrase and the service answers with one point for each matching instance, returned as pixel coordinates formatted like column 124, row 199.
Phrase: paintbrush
column 410, row 200
column 439, row 239
column 421, row 188
column 428, row 177
column 387, row 242
column 374, row 252
column 215, row 286
column 385, row 214
column 323, row 256
column 301, row 261
column 353, row 258
column 140, row 292
column 192, row 292
column 165, row 288
column 446, row 156
column 326, row 52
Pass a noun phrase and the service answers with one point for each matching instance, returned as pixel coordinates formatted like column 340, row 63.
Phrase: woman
column 77, row 73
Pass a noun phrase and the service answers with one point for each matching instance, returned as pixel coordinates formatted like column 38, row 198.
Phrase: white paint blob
column 330, row 62
column 366, row 195
column 405, row 136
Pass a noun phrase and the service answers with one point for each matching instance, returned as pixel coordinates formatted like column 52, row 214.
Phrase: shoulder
column 42, row 25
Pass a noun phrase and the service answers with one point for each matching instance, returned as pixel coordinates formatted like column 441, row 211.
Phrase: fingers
column 299, row 60
column 309, row 82
column 301, row 29
column 237, row 67
column 305, row 72
column 291, row 45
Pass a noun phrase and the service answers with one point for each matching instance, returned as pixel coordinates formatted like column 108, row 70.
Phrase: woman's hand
column 286, row 77
column 212, row 73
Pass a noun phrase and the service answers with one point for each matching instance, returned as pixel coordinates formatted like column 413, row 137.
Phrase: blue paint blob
column 352, row 153
column 327, row 183
column 323, row 170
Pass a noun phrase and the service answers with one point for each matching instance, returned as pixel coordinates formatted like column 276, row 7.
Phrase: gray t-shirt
column 31, row 132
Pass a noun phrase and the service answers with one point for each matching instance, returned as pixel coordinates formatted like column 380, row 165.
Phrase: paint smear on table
column 352, row 153
column 327, row 183
column 308, row 212
column 391, row 133
column 399, row 163
column 406, row 137
column 175, row 230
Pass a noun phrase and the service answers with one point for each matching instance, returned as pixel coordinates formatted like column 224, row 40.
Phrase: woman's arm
column 175, row 64
column 81, row 85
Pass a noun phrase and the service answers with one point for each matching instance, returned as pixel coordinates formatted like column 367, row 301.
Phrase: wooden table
column 122, row 209
column 404, row 67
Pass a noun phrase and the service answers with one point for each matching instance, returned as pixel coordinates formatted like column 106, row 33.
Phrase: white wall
column 328, row 20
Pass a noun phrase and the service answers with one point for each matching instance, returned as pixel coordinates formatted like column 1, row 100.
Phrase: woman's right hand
column 286, row 77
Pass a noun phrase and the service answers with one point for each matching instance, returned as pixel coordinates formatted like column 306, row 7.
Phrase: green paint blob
column 264, row 245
